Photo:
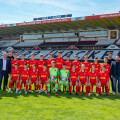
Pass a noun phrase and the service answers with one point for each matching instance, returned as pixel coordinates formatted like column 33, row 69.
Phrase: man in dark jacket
column 115, row 74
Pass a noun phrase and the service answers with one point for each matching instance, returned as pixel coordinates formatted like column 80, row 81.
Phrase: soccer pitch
column 35, row 106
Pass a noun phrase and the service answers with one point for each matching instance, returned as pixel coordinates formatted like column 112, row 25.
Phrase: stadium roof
column 104, row 21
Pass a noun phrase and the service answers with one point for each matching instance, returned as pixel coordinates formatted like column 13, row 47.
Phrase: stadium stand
column 86, row 43
column 10, row 43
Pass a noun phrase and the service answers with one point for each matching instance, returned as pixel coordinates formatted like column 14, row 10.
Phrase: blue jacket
column 8, row 66
column 113, row 70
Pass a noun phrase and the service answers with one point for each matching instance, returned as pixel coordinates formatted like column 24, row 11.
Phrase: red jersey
column 107, row 68
column 77, row 65
column 68, row 65
column 34, row 75
column 92, row 77
column 15, row 74
column 13, row 63
column 40, row 65
column 73, row 76
column 48, row 63
column 87, row 66
column 32, row 62
column 103, row 77
column 24, row 74
column 83, row 75
column 97, row 67
column 21, row 64
column 59, row 62
column 44, row 75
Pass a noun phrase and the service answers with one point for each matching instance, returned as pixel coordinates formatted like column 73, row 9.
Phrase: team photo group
column 59, row 75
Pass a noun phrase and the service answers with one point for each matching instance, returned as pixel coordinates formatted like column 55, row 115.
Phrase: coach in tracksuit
column 115, row 74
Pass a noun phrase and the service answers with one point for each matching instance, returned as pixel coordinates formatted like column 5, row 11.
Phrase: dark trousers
column 115, row 79
column 111, row 82
column 5, row 75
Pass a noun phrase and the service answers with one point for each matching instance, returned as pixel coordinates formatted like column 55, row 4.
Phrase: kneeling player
column 64, row 74
column 33, row 78
column 43, row 77
column 104, row 80
column 14, row 78
column 54, row 75
column 93, row 79
column 83, row 79
column 24, row 77
column 73, row 79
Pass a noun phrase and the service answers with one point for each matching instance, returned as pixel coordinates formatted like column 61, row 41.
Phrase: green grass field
column 65, row 107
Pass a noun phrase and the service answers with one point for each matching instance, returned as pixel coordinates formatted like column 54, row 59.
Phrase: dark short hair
column 63, row 64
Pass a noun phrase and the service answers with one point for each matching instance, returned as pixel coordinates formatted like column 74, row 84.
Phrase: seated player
column 73, row 79
column 53, row 79
column 33, row 77
column 43, row 77
column 64, row 75
column 83, row 80
column 104, row 80
column 14, row 78
column 93, row 79
column 24, row 78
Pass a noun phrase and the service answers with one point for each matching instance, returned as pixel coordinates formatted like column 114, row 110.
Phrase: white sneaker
column 39, row 91
column 16, row 92
column 45, row 91
column 29, row 90
column 9, row 92
column 42, row 90
column 54, row 88
column 114, row 93
column 24, row 88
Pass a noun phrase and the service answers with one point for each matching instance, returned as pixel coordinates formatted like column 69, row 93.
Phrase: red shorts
column 103, row 83
column 33, row 81
column 93, row 82
column 73, row 82
column 24, row 80
column 43, row 81
column 83, row 82
column 14, row 80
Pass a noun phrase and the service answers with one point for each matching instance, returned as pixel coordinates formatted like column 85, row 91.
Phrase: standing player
column 64, row 75
column 93, row 79
column 43, row 77
column 14, row 78
column 48, row 62
column 104, row 80
column 22, row 62
column 73, row 79
column 76, row 63
column 32, row 62
column 33, row 77
column 83, row 80
column 59, row 61
column 68, row 63
column 54, row 75
column 24, row 78
column 13, row 61
column 96, row 64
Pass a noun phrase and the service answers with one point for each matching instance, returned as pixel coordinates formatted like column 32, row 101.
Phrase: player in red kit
column 68, row 63
column 33, row 77
column 73, row 79
column 24, row 78
column 96, row 64
column 107, row 68
column 104, row 79
column 83, row 80
column 43, row 77
column 14, row 78
column 87, row 64
column 76, row 63
column 48, row 62
column 59, row 61
column 93, row 79
column 32, row 62
column 22, row 62
column 15, row 60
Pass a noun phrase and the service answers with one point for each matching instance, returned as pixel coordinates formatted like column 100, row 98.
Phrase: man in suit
column 115, row 74
column 5, row 70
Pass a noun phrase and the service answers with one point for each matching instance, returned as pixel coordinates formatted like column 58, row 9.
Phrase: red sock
column 73, row 87
column 76, row 89
column 92, row 87
column 79, row 90
column 10, row 85
column 39, row 87
column 89, row 89
column 86, row 90
column 70, row 88
column 107, row 90
column 17, row 85
column 100, row 90
column 30, row 87
column 96, row 90
column 65, row 88
column 20, row 87
column 46, row 87
column 26, row 87
column 53, row 85
column 42, row 85
column 82, row 87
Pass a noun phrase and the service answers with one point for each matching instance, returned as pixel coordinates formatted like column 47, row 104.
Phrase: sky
column 16, row 11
